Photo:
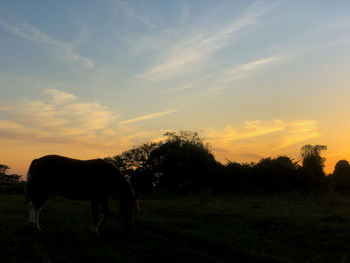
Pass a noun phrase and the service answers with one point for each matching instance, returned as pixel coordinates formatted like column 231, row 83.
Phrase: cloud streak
column 245, row 70
column 188, row 54
column 131, row 13
column 60, row 97
column 60, row 118
column 149, row 116
column 61, row 49
column 260, row 138
column 220, row 81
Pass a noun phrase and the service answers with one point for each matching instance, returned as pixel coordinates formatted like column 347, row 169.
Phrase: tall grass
column 192, row 228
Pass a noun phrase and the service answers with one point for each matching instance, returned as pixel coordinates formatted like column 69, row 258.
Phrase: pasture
column 193, row 228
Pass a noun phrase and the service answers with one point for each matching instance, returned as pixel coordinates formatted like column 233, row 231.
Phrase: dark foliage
column 8, row 178
column 181, row 163
column 275, row 175
column 3, row 168
column 340, row 179
column 184, row 163
column 312, row 168
column 269, row 175
column 134, row 163
column 134, row 158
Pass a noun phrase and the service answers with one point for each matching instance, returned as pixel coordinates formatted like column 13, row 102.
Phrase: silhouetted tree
column 4, row 177
column 183, row 162
column 341, row 177
column 268, row 175
column 134, row 158
column 275, row 175
column 312, row 168
column 3, row 169
column 134, row 163
column 234, row 177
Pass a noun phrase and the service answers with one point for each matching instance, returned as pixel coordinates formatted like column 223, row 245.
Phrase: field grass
column 194, row 228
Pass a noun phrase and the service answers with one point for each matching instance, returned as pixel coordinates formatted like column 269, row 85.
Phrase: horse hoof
column 95, row 231
column 33, row 227
column 30, row 225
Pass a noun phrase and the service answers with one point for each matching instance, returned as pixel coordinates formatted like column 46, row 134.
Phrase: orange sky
column 258, row 78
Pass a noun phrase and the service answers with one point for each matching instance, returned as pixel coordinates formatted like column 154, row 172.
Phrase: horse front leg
column 33, row 220
column 105, row 211
column 94, row 212
column 36, row 215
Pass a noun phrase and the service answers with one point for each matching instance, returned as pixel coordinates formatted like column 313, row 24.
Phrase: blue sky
column 90, row 79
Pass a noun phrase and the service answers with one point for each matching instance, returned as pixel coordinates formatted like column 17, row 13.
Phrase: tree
column 3, row 169
column 341, row 177
column 189, row 137
column 313, row 164
column 234, row 177
column 275, row 175
column 134, row 163
column 134, row 158
column 5, row 178
column 183, row 162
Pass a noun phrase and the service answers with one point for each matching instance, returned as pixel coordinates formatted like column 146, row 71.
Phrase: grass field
column 198, row 228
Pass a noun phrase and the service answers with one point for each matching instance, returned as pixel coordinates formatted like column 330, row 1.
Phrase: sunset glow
column 92, row 79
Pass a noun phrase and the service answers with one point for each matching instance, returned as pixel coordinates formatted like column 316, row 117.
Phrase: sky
column 90, row 79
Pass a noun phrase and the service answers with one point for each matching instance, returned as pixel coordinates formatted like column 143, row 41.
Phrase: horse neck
column 126, row 191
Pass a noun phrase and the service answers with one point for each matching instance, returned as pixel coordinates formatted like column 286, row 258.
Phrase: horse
column 94, row 180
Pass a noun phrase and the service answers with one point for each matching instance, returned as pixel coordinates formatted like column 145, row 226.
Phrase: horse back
column 72, row 178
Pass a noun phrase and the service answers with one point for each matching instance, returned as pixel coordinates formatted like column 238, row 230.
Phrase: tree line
column 184, row 163
column 8, row 178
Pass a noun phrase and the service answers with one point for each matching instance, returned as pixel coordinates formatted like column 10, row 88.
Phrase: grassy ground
column 199, row 228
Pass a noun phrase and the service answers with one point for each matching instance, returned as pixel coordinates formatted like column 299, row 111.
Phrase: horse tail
column 28, row 183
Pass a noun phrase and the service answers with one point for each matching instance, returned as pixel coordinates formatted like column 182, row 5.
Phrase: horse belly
column 82, row 190
column 74, row 194
column 73, row 187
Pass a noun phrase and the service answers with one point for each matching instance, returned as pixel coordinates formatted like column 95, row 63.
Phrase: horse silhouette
column 93, row 180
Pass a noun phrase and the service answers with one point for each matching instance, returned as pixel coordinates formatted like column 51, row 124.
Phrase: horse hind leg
column 36, row 215
column 105, row 211
column 34, row 212
column 35, row 200
column 94, row 212
column 95, row 205
column 31, row 219
column 36, row 194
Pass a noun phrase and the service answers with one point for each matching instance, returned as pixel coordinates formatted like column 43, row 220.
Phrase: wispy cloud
column 61, row 117
column 59, row 97
column 220, row 81
column 293, row 131
column 260, row 138
column 251, row 129
column 63, row 50
column 245, row 70
column 187, row 86
column 299, row 131
column 131, row 13
column 187, row 55
column 150, row 116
